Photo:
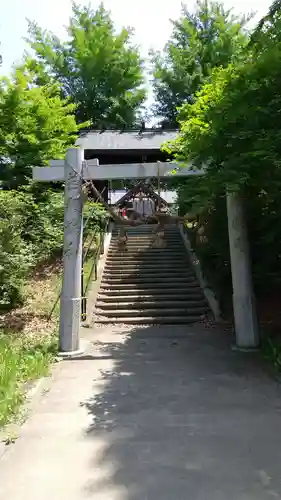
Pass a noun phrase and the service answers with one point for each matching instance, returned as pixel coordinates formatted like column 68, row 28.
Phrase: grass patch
column 271, row 349
column 28, row 339
column 21, row 361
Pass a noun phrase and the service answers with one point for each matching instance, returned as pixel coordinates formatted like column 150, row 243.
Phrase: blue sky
column 150, row 18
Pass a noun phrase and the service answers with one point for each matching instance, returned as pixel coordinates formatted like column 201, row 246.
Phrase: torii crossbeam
column 92, row 170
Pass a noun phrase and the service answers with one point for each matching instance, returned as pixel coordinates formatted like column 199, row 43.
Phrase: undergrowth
column 21, row 361
column 28, row 335
column 271, row 349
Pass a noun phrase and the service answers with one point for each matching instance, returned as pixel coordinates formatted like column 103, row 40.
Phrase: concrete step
column 145, row 287
column 137, row 244
column 152, row 293
column 150, row 279
column 145, row 237
column 140, row 304
column 127, row 313
column 147, row 228
column 151, row 250
column 147, row 279
column 145, row 257
column 149, row 241
column 166, row 265
column 144, row 247
column 139, row 258
column 147, row 250
column 150, row 266
column 150, row 254
column 150, row 245
column 144, row 272
column 149, row 320
column 151, row 234
column 147, row 273
column 142, row 236
column 147, row 270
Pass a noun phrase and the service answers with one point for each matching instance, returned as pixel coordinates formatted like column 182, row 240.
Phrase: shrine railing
column 95, row 246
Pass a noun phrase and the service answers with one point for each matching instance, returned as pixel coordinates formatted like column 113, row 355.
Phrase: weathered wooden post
column 246, row 327
column 70, row 302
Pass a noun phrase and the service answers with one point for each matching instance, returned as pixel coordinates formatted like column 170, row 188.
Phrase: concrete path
column 151, row 414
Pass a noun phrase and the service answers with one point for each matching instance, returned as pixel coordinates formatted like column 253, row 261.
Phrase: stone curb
column 208, row 292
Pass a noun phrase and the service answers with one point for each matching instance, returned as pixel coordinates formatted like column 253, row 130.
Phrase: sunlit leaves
column 201, row 41
column 36, row 125
column 99, row 69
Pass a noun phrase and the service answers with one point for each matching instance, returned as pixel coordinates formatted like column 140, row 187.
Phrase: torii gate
column 73, row 170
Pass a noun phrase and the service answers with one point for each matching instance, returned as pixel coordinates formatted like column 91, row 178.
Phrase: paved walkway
column 151, row 414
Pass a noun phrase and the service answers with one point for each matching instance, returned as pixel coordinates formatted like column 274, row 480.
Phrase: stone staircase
column 146, row 285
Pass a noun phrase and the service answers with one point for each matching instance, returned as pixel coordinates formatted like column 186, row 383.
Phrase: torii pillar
column 245, row 319
column 70, row 302
column 69, row 171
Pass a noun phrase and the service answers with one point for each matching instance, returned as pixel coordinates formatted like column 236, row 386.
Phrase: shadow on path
column 184, row 418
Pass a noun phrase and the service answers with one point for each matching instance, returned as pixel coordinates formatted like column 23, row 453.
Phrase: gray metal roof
column 128, row 140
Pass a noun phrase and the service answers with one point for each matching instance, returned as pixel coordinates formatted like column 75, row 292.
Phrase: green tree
column 99, row 70
column 208, row 38
column 233, row 127
column 36, row 124
column 266, row 29
column 233, row 131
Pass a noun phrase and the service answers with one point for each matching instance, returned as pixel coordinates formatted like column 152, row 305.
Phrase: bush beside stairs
column 146, row 285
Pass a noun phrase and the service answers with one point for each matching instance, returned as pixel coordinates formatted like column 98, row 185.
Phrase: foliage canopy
column 98, row 69
column 36, row 124
column 202, row 40
column 232, row 130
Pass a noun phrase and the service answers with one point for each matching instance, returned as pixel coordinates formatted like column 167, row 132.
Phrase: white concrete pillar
column 70, row 304
column 245, row 320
